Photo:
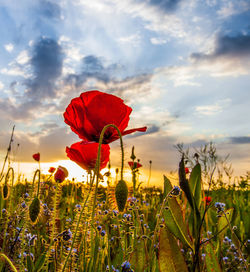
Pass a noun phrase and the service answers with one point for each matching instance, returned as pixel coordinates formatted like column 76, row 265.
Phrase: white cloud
column 133, row 40
column 230, row 8
column 158, row 40
column 9, row 47
column 23, row 57
column 180, row 75
column 214, row 108
column 15, row 71
column 1, row 85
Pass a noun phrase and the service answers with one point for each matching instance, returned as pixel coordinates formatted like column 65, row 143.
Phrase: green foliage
column 157, row 231
column 170, row 256
column 212, row 264
column 173, row 216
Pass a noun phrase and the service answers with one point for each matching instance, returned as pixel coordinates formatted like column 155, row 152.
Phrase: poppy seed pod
column 34, row 210
column 121, row 194
column 61, row 174
column 5, row 191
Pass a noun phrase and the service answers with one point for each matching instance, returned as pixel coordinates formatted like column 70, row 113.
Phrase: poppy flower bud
column 134, row 165
column 52, row 170
column 34, row 210
column 208, row 199
column 186, row 170
column 133, row 157
column 61, row 174
column 36, row 156
column 121, row 194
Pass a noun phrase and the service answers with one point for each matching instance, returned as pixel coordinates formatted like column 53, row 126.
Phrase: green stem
column 2, row 255
column 38, row 172
column 232, row 231
column 97, row 169
column 77, row 226
column 157, row 223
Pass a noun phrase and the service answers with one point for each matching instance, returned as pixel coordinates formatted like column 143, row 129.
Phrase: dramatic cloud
column 240, row 140
column 227, row 46
column 49, row 9
column 92, row 67
column 47, row 63
column 165, row 5
column 95, row 75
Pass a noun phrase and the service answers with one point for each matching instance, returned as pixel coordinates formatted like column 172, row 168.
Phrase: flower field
column 52, row 223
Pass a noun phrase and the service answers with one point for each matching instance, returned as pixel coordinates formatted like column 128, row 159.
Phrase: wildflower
column 23, row 205
column 186, row 170
column 219, row 206
column 78, row 206
column 61, row 174
column 208, row 199
column 52, row 170
column 175, row 191
column 26, row 195
column 99, row 228
column 32, row 256
column 103, row 232
column 88, row 114
column 85, row 154
column 225, row 259
column 134, row 165
column 67, row 234
column 36, row 156
column 126, row 266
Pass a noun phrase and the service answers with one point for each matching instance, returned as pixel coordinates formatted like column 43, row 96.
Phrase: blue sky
column 183, row 66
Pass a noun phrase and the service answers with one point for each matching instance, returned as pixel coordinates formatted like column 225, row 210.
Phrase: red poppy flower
column 186, row 170
column 88, row 114
column 134, row 165
column 208, row 199
column 52, row 170
column 36, row 157
column 85, row 154
column 61, row 174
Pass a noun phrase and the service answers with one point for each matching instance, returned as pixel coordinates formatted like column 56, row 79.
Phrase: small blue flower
column 219, row 206
column 225, row 259
column 78, row 206
column 209, row 233
column 26, row 195
column 175, row 191
column 125, row 265
column 99, row 228
column 23, row 205
column 103, row 232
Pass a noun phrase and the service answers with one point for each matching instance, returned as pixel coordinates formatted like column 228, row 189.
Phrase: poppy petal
column 88, row 114
column 85, row 154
